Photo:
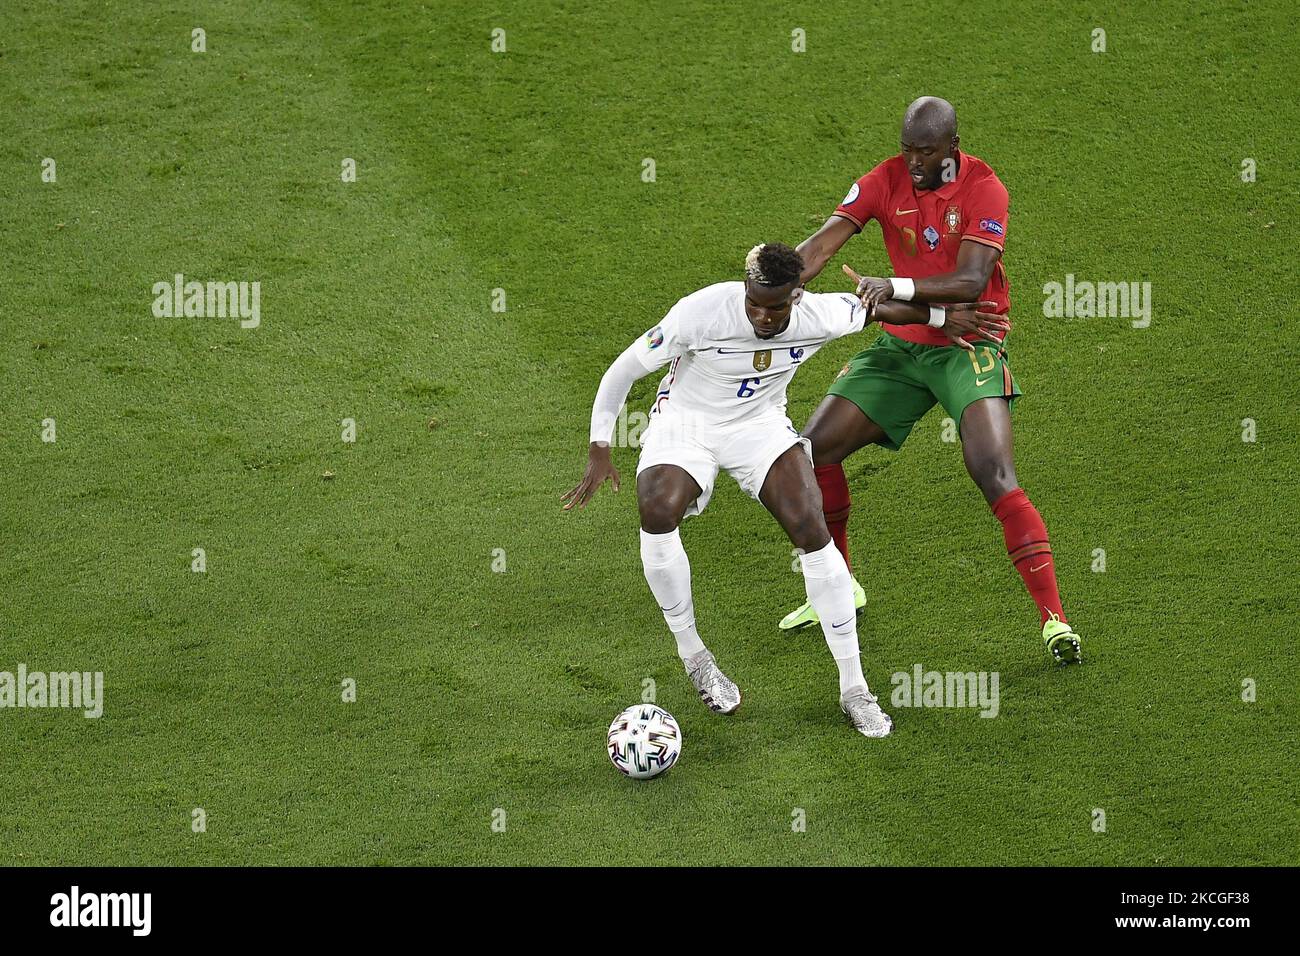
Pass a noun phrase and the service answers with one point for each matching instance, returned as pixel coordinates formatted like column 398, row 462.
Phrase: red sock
column 1029, row 550
column 836, row 505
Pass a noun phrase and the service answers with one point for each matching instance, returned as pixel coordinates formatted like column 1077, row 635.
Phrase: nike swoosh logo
column 677, row 605
column 980, row 381
column 904, row 212
column 1040, row 567
column 841, row 624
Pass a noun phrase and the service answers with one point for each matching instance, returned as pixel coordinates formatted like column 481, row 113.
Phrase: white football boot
column 716, row 689
column 865, row 714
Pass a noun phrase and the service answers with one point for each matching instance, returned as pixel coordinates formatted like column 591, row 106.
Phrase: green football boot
column 1061, row 641
column 804, row 615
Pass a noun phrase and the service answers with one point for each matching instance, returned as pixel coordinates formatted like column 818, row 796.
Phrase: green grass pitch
column 481, row 690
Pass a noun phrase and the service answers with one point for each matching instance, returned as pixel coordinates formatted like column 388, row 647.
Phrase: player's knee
column 995, row 475
column 807, row 530
column 659, row 514
column 827, row 448
column 824, row 456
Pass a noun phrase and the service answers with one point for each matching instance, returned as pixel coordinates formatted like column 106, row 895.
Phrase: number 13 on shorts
column 988, row 357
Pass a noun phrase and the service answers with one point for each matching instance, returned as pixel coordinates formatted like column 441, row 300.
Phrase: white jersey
column 720, row 371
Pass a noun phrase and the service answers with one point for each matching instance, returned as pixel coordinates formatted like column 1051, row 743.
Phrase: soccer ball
column 644, row 741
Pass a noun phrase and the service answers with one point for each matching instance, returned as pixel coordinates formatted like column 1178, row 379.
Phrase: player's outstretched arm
column 956, row 321
column 611, row 395
column 818, row 248
column 959, row 320
column 966, row 283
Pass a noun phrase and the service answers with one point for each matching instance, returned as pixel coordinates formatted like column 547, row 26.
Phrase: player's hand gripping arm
column 975, row 264
column 960, row 319
column 611, row 395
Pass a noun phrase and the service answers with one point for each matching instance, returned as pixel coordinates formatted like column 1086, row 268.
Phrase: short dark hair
column 774, row 264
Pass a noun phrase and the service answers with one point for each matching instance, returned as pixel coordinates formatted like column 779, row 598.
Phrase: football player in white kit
column 733, row 348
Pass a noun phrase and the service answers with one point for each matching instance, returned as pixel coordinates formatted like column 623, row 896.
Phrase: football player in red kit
column 943, row 216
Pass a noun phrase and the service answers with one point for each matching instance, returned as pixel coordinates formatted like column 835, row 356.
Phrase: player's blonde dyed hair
column 773, row 263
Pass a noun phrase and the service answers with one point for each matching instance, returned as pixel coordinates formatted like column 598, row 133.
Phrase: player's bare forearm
column 966, row 283
column 818, row 248
column 975, row 264
column 960, row 320
column 913, row 313
column 950, row 287
column 901, row 313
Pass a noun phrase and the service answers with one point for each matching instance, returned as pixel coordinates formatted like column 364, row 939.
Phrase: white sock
column 668, row 572
column 830, row 591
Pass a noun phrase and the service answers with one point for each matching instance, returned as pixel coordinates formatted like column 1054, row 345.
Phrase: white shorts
column 746, row 451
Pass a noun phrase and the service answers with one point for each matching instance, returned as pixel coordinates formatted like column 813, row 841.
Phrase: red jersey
column 923, row 229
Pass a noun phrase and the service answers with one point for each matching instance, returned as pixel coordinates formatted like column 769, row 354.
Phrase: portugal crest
column 952, row 219
column 763, row 360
